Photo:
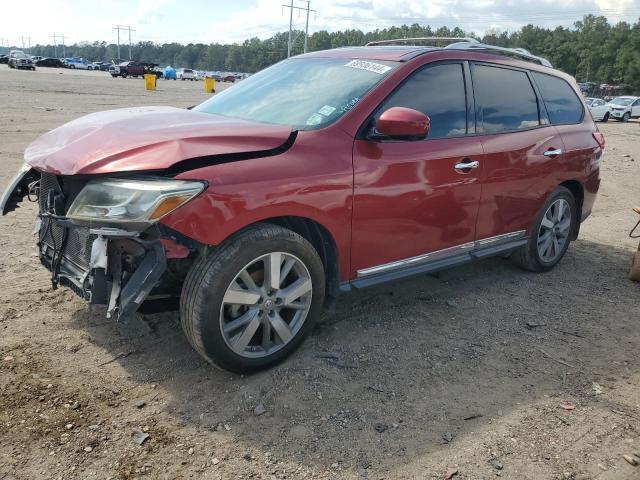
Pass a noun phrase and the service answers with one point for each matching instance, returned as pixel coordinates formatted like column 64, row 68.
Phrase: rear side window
column 437, row 91
column 562, row 103
column 505, row 100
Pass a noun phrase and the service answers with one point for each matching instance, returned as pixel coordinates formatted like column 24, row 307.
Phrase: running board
column 434, row 265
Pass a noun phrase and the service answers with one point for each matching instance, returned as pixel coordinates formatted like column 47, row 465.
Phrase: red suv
column 326, row 172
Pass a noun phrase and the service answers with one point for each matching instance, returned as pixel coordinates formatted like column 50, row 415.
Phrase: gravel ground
column 465, row 372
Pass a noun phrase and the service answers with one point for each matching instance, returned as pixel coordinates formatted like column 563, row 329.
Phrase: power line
column 306, row 9
column 125, row 28
column 28, row 40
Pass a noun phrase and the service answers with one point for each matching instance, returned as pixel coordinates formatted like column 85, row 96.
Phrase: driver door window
column 438, row 92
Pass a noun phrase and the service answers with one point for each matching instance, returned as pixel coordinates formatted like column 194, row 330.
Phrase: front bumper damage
column 103, row 266
column 108, row 266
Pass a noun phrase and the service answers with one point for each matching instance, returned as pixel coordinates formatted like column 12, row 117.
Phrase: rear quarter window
column 560, row 100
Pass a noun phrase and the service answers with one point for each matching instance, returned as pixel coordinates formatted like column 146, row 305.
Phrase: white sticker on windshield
column 327, row 110
column 369, row 66
column 315, row 119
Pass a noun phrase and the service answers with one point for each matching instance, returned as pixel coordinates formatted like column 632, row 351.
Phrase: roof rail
column 516, row 52
column 465, row 43
column 415, row 40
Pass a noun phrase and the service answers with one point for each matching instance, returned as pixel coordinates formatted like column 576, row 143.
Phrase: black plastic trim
column 434, row 266
column 209, row 160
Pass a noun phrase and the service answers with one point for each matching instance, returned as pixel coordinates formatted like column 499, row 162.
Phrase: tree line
column 592, row 50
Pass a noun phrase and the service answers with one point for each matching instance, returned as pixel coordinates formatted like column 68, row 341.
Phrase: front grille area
column 78, row 243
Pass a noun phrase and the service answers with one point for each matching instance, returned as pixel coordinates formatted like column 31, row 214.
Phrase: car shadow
column 397, row 371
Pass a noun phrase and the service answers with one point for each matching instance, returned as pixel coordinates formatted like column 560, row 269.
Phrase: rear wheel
column 251, row 302
column 551, row 234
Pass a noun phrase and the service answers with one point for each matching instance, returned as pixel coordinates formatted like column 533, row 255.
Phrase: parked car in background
column 104, row 66
column 127, row 69
column 229, row 78
column 624, row 108
column 600, row 110
column 50, row 62
column 4, row 59
column 259, row 206
column 185, row 74
column 79, row 64
column 20, row 60
column 36, row 58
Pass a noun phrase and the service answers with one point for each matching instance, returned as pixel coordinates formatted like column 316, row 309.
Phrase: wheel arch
column 577, row 190
column 322, row 241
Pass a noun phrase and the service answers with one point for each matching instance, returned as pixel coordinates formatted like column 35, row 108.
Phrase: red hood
column 146, row 138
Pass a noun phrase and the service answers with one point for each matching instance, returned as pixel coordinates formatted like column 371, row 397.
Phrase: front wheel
column 253, row 300
column 551, row 234
column 606, row 117
column 626, row 117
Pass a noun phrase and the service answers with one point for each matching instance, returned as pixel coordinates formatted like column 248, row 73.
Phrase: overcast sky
column 225, row 21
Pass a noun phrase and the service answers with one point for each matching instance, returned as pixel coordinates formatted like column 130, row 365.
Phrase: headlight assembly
column 131, row 201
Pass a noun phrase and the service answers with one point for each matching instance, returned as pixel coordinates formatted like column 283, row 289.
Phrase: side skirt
column 435, row 265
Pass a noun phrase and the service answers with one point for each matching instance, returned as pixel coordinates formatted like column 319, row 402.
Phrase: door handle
column 553, row 152
column 466, row 165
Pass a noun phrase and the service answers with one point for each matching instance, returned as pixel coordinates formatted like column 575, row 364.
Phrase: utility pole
column 64, row 49
column 306, row 30
column 127, row 28
column 22, row 38
column 55, row 45
column 290, row 29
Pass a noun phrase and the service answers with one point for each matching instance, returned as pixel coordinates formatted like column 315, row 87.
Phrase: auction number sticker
column 369, row 66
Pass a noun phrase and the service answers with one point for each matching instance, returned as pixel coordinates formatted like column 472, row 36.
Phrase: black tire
column 207, row 281
column 528, row 257
column 626, row 117
column 606, row 117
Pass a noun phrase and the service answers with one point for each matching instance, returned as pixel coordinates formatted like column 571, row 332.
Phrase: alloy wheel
column 554, row 230
column 266, row 305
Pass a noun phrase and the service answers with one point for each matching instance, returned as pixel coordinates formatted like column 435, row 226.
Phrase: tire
column 529, row 257
column 605, row 119
column 212, row 279
column 626, row 117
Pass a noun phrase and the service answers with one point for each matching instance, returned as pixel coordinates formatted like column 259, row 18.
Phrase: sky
column 228, row 21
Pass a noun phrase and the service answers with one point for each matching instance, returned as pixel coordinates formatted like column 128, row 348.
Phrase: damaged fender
column 17, row 189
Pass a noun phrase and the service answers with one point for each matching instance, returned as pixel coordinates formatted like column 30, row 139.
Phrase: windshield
column 621, row 101
column 19, row 55
column 305, row 93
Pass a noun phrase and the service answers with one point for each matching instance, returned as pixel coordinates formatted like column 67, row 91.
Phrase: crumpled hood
column 147, row 138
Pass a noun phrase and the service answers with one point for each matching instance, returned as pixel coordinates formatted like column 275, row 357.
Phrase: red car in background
column 329, row 171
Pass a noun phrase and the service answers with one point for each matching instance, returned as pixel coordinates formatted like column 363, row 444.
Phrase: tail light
column 599, row 137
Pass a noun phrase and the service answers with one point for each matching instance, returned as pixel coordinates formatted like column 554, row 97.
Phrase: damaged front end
column 100, row 237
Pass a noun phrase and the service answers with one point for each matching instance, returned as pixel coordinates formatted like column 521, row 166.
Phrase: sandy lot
column 401, row 382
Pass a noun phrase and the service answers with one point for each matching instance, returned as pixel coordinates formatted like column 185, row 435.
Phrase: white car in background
column 600, row 110
column 625, row 108
column 185, row 74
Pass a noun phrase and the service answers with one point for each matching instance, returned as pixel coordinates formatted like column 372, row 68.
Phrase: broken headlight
column 130, row 201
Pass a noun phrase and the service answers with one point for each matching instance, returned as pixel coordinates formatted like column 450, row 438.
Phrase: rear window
column 505, row 100
column 561, row 101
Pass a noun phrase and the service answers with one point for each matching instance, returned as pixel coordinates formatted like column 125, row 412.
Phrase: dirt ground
column 465, row 371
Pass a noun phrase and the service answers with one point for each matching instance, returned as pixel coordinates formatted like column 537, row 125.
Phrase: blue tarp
column 169, row 72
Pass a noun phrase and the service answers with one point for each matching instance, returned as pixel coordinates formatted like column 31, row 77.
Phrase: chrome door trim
column 440, row 254
column 420, row 259
column 500, row 238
